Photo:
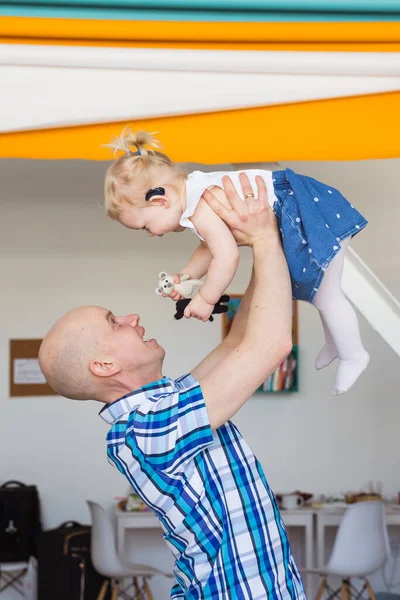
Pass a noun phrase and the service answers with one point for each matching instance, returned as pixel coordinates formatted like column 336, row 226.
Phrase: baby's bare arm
column 223, row 248
column 199, row 262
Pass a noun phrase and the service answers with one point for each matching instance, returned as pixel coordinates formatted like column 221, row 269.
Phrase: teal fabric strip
column 280, row 6
column 112, row 13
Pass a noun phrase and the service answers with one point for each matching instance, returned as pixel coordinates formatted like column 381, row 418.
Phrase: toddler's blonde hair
column 140, row 155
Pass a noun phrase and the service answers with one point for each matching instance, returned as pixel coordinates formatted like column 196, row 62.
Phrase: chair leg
column 343, row 591
column 103, row 590
column 136, row 587
column 369, row 590
column 115, row 591
column 321, row 589
column 147, row 591
column 348, row 589
column 13, row 581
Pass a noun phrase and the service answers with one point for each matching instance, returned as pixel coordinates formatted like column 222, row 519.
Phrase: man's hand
column 248, row 220
column 198, row 308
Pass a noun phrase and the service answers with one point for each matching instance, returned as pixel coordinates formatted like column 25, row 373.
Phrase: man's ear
column 104, row 368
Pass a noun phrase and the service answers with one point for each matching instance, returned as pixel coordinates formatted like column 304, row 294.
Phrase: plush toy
column 187, row 288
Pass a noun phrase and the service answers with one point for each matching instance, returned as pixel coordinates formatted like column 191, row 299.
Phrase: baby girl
column 145, row 190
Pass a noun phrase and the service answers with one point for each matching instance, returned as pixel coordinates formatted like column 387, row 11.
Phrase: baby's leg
column 340, row 321
column 328, row 352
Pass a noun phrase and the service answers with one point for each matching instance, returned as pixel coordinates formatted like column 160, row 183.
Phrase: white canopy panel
column 52, row 86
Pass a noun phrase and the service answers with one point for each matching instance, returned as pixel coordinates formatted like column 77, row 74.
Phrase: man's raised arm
column 267, row 335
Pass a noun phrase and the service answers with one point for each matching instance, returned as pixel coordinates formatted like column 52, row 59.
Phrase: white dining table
column 298, row 517
column 133, row 520
column 303, row 517
column 313, row 520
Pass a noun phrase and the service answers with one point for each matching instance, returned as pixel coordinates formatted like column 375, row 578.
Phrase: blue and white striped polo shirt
column 208, row 490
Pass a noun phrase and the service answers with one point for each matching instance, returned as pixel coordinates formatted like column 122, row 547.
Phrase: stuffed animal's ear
column 159, row 291
column 162, row 275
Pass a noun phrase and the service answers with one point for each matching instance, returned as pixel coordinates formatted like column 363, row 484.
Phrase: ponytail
column 139, row 156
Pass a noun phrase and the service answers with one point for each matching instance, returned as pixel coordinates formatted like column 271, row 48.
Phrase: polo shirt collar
column 113, row 412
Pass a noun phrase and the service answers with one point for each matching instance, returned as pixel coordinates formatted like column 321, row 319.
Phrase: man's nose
column 131, row 320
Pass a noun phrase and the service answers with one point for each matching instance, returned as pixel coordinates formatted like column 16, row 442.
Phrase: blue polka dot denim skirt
column 313, row 218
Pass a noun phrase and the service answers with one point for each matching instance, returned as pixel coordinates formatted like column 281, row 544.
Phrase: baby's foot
column 349, row 371
column 327, row 354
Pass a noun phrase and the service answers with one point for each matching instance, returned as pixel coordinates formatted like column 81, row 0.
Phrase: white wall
column 57, row 251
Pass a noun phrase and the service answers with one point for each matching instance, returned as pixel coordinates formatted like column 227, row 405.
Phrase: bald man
column 173, row 439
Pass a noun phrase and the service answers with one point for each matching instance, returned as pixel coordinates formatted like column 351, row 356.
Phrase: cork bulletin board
column 26, row 378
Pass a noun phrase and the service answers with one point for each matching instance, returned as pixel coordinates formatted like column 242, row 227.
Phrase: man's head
column 90, row 354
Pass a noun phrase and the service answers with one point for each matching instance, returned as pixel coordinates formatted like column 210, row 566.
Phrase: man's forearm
column 266, row 341
column 241, row 327
column 238, row 328
column 233, row 338
column 270, row 307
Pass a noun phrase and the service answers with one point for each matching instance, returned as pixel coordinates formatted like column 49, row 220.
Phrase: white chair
column 106, row 561
column 11, row 575
column 361, row 547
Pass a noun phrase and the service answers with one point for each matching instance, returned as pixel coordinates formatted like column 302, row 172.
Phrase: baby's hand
column 198, row 308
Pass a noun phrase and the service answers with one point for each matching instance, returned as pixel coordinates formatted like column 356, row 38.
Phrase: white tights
column 342, row 333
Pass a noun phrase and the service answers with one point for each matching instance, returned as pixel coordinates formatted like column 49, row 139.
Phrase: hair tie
column 139, row 153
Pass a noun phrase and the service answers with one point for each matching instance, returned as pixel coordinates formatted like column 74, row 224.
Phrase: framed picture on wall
column 285, row 378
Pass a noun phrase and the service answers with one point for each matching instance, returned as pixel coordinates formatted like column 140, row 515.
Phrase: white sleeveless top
column 198, row 181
